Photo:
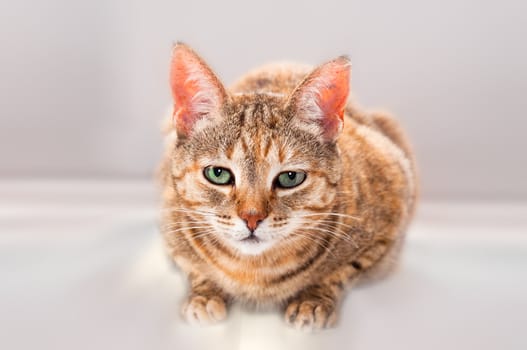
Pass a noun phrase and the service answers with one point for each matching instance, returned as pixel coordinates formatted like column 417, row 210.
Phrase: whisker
column 329, row 222
column 185, row 221
column 187, row 228
column 192, row 211
column 177, row 226
column 335, row 234
column 328, row 225
column 213, row 239
column 333, row 227
column 203, row 233
column 178, row 223
column 333, row 214
column 320, row 242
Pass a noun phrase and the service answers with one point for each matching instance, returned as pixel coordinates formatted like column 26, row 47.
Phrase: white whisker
column 333, row 214
column 319, row 242
column 334, row 234
column 190, row 211
column 187, row 228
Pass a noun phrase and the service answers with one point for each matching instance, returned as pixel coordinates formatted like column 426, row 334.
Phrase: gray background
column 83, row 85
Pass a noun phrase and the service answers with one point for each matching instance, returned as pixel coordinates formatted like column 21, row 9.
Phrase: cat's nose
column 252, row 218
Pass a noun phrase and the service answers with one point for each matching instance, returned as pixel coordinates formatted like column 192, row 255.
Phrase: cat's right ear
column 197, row 93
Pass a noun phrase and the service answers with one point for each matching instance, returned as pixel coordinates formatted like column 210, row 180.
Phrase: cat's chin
column 252, row 246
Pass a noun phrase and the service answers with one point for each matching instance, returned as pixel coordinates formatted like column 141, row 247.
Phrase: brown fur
column 363, row 186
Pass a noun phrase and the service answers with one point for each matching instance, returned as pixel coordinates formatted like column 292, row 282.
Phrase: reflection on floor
column 83, row 267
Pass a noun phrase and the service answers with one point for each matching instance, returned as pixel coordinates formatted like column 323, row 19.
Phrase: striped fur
column 347, row 220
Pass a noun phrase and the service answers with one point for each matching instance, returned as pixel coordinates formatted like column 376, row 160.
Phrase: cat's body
column 352, row 197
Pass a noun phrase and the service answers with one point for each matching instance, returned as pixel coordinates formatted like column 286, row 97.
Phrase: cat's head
column 256, row 169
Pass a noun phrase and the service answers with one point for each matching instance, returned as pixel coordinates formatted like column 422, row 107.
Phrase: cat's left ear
column 197, row 93
column 319, row 101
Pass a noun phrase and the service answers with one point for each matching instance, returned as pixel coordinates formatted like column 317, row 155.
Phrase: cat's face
column 254, row 170
column 256, row 177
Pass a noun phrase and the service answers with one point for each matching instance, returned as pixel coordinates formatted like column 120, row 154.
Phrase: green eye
column 218, row 175
column 289, row 179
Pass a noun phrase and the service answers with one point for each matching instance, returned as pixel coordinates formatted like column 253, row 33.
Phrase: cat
column 279, row 191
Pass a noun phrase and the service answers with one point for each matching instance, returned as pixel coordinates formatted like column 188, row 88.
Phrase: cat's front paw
column 201, row 310
column 310, row 314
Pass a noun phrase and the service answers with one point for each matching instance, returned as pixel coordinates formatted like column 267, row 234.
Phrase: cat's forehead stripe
column 267, row 147
column 266, row 93
column 229, row 150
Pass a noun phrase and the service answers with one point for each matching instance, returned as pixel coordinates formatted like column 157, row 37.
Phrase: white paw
column 310, row 315
column 200, row 310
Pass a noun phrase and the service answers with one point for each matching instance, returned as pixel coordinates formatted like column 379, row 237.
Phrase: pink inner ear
column 332, row 95
column 321, row 98
column 183, row 91
column 195, row 90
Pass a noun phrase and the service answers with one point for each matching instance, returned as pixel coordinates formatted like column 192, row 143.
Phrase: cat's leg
column 316, row 306
column 206, row 304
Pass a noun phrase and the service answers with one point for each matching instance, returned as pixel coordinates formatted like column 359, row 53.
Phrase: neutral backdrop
column 83, row 84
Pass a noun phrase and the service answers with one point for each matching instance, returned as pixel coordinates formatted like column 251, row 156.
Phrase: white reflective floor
column 82, row 266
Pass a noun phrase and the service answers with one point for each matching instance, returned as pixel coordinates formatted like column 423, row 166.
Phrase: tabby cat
column 278, row 191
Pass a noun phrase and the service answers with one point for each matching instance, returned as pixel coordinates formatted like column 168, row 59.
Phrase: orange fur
column 345, row 221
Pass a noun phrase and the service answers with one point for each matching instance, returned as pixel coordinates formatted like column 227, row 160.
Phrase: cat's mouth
column 251, row 239
column 252, row 244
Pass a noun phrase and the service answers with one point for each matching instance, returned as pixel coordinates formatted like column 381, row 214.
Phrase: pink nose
column 252, row 218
